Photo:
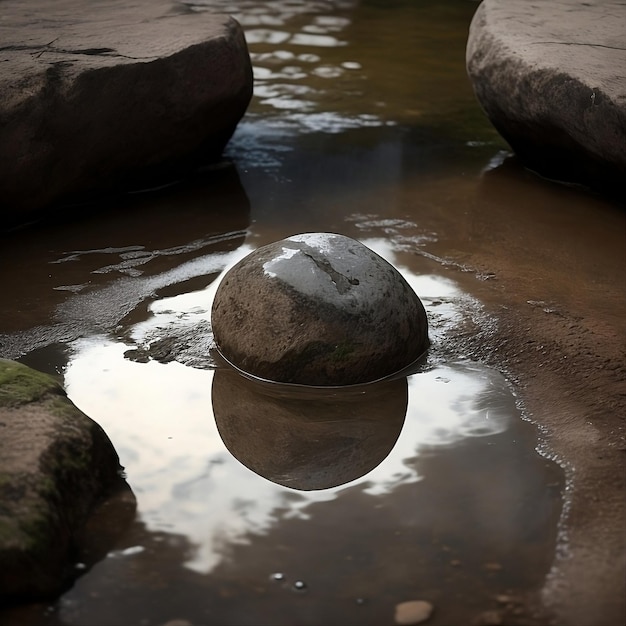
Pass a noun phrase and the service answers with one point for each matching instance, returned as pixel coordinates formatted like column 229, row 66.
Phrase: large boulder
column 318, row 309
column 551, row 77
column 56, row 465
column 106, row 95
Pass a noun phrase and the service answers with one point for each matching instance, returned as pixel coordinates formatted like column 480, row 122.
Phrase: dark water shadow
column 83, row 275
column 106, row 524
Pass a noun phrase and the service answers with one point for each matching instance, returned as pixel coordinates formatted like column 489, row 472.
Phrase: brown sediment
column 559, row 333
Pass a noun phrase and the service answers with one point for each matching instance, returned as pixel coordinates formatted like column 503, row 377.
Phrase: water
column 427, row 487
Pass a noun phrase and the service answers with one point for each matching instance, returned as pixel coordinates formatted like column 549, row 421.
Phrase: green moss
column 342, row 351
column 5, row 479
column 23, row 516
column 71, row 461
column 47, row 488
column 20, row 384
column 63, row 408
column 8, row 532
column 39, row 530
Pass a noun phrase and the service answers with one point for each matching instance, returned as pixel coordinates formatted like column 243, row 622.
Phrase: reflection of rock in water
column 308, row 438
column 106, row 525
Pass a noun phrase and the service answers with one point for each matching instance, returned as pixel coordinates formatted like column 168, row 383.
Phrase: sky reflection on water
column 160, row 419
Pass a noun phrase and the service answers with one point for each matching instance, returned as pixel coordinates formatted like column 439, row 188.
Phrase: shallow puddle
column 271, row 504
column 260, row 505
column 427, row 487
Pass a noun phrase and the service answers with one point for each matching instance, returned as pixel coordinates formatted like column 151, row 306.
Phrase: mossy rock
column 20, row 384
column 56, row 464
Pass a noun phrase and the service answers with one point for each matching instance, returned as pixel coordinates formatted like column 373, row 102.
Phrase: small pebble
column 278, row 576
column 413, row 612
column 493, row 567
column 299, row 585
column 488, row 618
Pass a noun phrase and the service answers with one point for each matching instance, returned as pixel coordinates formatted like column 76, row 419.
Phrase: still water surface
column 427, row 487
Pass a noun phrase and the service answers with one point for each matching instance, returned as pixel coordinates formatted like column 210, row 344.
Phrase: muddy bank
column 560, row 335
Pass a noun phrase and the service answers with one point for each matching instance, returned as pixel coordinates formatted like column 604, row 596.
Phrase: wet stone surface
column 56, row 465
column 170, row 88
column 554, row 87
column 318, row 309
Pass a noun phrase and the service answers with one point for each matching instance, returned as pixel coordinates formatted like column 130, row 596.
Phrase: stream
column 431, row 487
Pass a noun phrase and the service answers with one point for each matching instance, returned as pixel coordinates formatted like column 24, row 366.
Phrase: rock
column 56, row 465
column 183, row 343
column 318, row 309
column 110, row 95
column 308, row 438
column 551, row 79
column 413, row 612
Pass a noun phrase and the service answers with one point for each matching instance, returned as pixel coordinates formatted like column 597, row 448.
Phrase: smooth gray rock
column 318, row 309
column 112, row 94
column 552, row 79
column 56, row 466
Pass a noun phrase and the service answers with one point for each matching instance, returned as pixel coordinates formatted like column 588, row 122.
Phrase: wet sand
column 558, row 296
